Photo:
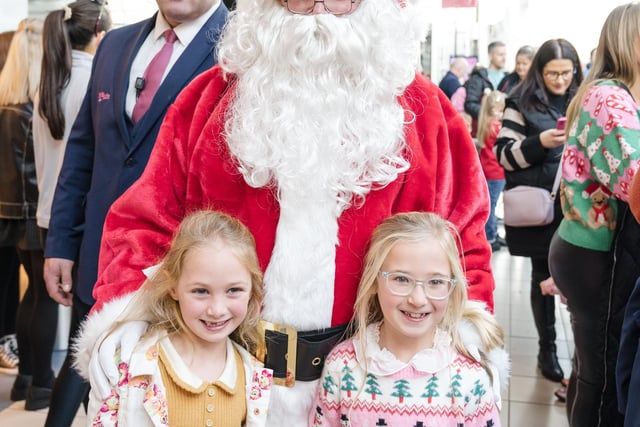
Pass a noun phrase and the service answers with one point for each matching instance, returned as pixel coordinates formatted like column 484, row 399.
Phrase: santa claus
column 313, row 129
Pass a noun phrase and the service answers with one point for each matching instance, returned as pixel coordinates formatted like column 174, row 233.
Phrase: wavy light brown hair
column 154, row 304
column 495, row 99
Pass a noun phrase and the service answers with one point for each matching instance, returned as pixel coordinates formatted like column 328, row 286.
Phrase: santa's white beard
column 315, row 115
column 316, row 98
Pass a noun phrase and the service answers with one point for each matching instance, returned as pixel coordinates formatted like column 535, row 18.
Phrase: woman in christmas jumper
column 421, row 355
column 594, row 254
column 489, row 124
column 186, row 370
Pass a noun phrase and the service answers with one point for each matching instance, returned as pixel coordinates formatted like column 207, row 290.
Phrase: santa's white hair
column 315, row 116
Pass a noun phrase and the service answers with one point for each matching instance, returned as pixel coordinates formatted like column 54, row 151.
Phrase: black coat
column 527, row 162
column 477, row 86
column 509, row 82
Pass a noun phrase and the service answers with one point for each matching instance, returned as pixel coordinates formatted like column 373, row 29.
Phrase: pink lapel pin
column 103, row 96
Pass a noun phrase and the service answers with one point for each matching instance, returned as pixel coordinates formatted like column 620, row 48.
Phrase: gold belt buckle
column 292, row 350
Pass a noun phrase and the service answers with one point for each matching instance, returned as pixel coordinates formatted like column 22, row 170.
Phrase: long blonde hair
column 616, row 56
column 494, row 100
column 20, row 75
column 415, row 227
column 154, row 303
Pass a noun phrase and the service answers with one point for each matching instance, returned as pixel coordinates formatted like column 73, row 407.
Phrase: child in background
column 421, row 355
column 186, row 371
column 489, row 124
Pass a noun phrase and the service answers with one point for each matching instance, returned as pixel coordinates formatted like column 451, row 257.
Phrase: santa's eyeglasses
column 334, row 7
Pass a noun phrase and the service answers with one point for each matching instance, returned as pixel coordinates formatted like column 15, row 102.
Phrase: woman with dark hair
column 594, row 256
column 529, row 147
column 70, row 36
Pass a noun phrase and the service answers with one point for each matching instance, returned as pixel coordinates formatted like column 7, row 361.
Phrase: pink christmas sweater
column 438, row 387
column 600, row 159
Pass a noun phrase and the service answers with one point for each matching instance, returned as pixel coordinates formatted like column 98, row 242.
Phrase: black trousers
column 70, row 389
column 9, row 289
column 584, row 278
column 36, row 323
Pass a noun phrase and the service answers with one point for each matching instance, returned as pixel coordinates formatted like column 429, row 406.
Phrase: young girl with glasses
column 421, row 354
column 193, row 367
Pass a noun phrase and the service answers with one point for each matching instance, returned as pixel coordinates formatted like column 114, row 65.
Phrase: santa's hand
column 104, row 374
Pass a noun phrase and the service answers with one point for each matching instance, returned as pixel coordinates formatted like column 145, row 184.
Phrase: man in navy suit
column 107, row 152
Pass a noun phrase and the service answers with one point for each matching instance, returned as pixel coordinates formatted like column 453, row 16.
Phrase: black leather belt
column 310, row 348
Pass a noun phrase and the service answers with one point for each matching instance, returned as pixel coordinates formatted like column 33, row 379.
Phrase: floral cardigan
column 139, row 399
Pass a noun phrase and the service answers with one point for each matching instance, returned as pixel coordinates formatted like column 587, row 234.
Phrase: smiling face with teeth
column 410, row 321
column 213, row 294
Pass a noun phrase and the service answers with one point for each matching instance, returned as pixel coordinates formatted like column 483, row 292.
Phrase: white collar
column 381, row 361
column 228, row 376
column 186, row 31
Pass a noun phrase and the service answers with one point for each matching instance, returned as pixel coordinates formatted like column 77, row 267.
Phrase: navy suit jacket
column 105, row 153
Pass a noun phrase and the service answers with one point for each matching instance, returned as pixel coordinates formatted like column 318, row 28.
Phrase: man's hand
column 57, row 277
column 103, row 367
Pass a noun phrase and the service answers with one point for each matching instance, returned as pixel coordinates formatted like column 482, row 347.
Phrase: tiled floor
column 529, row 401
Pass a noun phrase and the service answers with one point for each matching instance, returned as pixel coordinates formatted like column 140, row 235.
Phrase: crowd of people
column 247, row 234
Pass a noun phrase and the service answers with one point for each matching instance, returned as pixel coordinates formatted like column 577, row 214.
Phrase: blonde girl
column 420, row 354
column 202, row 304
column 489, row 124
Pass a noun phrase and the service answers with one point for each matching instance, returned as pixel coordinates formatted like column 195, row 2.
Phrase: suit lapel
column 201, row 48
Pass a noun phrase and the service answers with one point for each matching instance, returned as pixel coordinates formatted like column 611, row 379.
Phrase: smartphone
column 560, row 124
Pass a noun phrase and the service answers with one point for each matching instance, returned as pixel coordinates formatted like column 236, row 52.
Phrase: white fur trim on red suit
column 290, row 406
column 301, row 273
column 497, row 358
column 92, row 329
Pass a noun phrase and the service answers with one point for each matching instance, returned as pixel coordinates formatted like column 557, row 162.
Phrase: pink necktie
column 153, row 76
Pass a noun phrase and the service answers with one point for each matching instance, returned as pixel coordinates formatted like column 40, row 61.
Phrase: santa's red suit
column 191, row 168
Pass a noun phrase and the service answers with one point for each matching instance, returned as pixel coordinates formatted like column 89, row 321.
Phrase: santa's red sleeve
column 139, row 226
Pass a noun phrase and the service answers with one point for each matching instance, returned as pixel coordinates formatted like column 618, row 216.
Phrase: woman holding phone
column 529, row 148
